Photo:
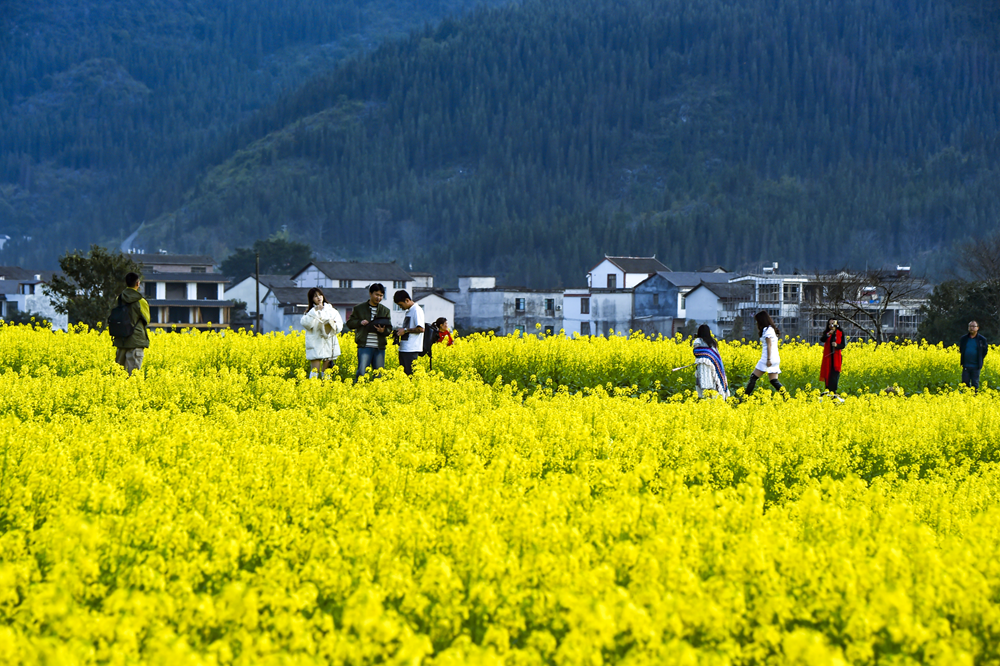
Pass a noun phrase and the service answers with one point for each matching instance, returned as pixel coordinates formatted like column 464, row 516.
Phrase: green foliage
column 529, row 140
column 90, row 283
column 278, row 256
column 952, row 305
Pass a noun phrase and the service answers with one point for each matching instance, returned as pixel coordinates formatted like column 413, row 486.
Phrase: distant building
column 636, row 294
column 21, row 291
column 796, row 302
column 344, row 281
column 481, row 305
column 184, row 291
column 246, row 290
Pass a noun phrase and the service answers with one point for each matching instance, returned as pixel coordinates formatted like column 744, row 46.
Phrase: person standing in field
column 410, row 334
column 973, row 349
column 833, row 340
column 709, row 371
column 371, row 322
column 770, row 361
column 443, row 331
column 131, row 345
column 322, row 324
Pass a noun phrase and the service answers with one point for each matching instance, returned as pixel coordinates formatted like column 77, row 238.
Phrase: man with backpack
column 127, row 325
column 411, row 340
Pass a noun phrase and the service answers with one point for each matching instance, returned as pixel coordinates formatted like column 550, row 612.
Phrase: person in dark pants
column 833, row 340
column 973, row 349
column 411, row 333
column 370, row 322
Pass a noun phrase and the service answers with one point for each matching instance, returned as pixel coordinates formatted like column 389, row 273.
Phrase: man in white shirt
column 411, row 333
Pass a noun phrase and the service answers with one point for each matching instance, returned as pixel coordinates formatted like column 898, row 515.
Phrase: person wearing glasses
column 973, row 349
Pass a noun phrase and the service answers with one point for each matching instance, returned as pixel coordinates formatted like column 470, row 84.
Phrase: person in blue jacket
column 973, row 349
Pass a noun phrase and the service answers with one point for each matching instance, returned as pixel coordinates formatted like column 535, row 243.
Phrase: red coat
column 831, row 353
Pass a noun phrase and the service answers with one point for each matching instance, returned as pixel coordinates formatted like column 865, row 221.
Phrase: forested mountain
column 100, row 101
column 530, row 139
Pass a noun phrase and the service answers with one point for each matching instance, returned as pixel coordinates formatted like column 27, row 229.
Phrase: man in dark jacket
column 130, row 351
column 973, row 349
column 371, row 322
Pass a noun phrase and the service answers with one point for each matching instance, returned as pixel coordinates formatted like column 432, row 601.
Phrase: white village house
column 480, row 305
column 22, row 291
column 345, row 285
column 184, row 291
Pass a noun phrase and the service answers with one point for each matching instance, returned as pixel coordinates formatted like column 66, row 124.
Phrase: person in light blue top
column 973, row 349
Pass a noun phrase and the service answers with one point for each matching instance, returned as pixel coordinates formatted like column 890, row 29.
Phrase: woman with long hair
column 833, row 340
column 443, row 332
column 322, row 324
column 709, row 371
column 770, row 362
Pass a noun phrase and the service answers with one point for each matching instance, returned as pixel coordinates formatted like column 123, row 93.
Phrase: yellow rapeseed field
column 530, row 501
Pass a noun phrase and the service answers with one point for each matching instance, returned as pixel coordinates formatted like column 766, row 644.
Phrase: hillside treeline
column 98, row 100
column 529, row 140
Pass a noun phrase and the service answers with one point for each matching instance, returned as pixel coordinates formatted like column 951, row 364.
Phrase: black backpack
column 430, row 337
column 120, row 320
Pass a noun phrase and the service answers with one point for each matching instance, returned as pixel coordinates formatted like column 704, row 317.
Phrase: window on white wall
column 612, row 282
column 398, row 284
column 519, row 304
column 585, row 328
column 584, row 306
column 345, row 284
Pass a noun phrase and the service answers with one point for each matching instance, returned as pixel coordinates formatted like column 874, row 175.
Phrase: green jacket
column 140, row 319
column 363, row 312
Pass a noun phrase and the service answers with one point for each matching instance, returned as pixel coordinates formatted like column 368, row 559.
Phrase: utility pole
column 256, row 328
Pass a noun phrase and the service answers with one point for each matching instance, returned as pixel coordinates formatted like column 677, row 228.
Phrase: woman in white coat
column 769, row 362
column 322, row 324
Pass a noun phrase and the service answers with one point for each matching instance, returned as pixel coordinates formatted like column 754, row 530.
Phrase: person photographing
column 834, row 341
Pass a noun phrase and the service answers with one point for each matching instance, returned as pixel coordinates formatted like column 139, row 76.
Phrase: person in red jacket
column 833, row 340
column 443, row 332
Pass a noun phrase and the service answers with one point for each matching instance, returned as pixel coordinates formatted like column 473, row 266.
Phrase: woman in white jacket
column 322, row 324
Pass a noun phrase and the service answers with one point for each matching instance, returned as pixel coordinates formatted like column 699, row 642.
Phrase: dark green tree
column 952, row 305
column 278, row 256
column 89, row 284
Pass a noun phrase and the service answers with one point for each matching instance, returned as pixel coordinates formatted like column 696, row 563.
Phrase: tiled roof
column 299, row 296
column 367, row 272
column 172, row 302
column 173, row 259
column 694, row 278
column 185, row 277
column 638, row 264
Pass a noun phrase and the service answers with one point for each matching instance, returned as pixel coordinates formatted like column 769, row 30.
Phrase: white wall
column 703, row 307
column 314, row 277
column 611, row 310
column 244, row 290
column 572, row 316
column 599, row 276
column 434, row 307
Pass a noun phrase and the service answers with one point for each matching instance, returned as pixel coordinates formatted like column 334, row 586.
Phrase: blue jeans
column 369, row 357
column 970, row 377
